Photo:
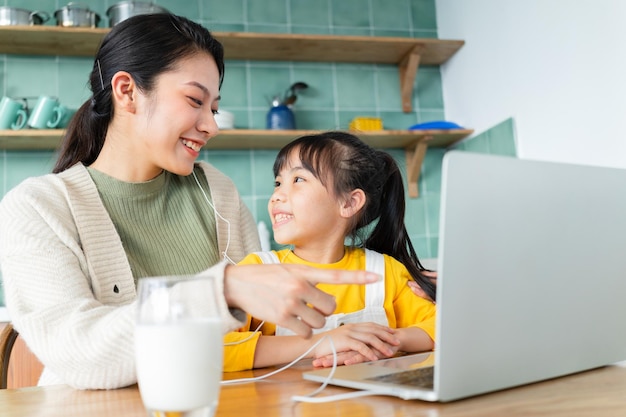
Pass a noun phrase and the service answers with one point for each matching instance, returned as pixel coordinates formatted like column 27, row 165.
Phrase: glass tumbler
column 178, row 346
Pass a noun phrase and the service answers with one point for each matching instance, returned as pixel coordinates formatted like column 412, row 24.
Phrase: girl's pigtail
column 390, row 235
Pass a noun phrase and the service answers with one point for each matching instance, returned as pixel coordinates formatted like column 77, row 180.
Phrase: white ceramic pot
column 225, row 119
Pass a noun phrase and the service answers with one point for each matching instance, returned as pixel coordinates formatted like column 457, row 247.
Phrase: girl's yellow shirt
column 403, row 308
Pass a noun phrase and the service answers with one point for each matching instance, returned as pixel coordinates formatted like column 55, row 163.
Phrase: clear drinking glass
column 178, row 346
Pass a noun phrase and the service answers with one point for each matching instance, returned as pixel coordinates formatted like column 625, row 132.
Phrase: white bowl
column 225, row 119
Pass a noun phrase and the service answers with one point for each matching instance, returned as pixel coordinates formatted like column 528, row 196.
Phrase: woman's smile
column 194, row 146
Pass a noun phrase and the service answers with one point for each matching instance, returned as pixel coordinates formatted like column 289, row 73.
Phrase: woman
column 127, row 200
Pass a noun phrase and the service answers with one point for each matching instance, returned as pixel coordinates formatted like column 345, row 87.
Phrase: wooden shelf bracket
column 408, row 71
column 414, row 160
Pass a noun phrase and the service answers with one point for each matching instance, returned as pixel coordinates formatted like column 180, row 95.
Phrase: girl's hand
column 285, row 294
column 417, row 290
column 356, row 342
column 349, row 358
column 410, row 340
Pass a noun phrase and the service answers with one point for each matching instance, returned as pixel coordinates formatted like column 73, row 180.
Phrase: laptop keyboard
column 418, row 377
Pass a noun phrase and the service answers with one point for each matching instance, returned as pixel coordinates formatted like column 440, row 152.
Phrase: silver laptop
column 532, row 280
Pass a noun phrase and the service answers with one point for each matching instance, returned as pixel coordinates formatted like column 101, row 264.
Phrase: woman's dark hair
column 145, row 46
column 343, row 162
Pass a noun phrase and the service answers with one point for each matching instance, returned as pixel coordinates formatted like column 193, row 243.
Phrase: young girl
column 332, row 188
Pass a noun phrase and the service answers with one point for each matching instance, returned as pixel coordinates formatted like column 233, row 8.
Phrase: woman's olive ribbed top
column 165, row 224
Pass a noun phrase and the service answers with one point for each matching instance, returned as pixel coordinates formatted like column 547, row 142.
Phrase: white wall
column 558, row 67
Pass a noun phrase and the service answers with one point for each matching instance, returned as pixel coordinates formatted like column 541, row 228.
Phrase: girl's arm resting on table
column 239, row 350
column 370, row 340
column 415, row 327
column 410, row 339
column 414, row 339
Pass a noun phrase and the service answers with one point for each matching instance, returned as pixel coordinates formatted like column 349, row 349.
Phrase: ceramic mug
column 67, row 116
column 13, row 114
column 225, row 119
column 46, row 114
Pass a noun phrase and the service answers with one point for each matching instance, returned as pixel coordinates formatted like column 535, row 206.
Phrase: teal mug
column 67, row 116
column 13, row 114
column 46, row 114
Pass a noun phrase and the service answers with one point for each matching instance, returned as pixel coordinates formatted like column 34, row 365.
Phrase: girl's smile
column 279, row 218
column 304, row 214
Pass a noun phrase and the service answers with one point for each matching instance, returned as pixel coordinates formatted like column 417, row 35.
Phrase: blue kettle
column 280, row 116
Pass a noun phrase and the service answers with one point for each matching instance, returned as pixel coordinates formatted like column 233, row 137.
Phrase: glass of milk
column 178, row 346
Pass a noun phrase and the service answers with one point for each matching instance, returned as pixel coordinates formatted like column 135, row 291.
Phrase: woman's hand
column 417, row 290
column 356, row 342
column 285, row 294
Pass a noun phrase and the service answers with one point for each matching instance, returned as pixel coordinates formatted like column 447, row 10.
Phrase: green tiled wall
column 498, row 140
column 337, row 93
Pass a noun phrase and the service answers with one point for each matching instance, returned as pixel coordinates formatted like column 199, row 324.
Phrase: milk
column 179, row 366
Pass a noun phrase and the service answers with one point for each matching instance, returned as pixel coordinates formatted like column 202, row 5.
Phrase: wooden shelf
column 415, row 143
column 50, row 40
column 406, row 53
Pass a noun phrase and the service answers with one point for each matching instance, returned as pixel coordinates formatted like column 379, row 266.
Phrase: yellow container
column 366, row 123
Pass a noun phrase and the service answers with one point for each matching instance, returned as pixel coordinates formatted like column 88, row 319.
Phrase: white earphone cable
column 225, row 253
column 247, row 338
column 290, row 364
column 310, row 397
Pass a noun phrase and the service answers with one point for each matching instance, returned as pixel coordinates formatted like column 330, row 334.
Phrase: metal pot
column 13, row 16
column 125, row 9
column 76, row 15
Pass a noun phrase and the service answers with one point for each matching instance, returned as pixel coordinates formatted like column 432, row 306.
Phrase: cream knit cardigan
column 68, row 284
